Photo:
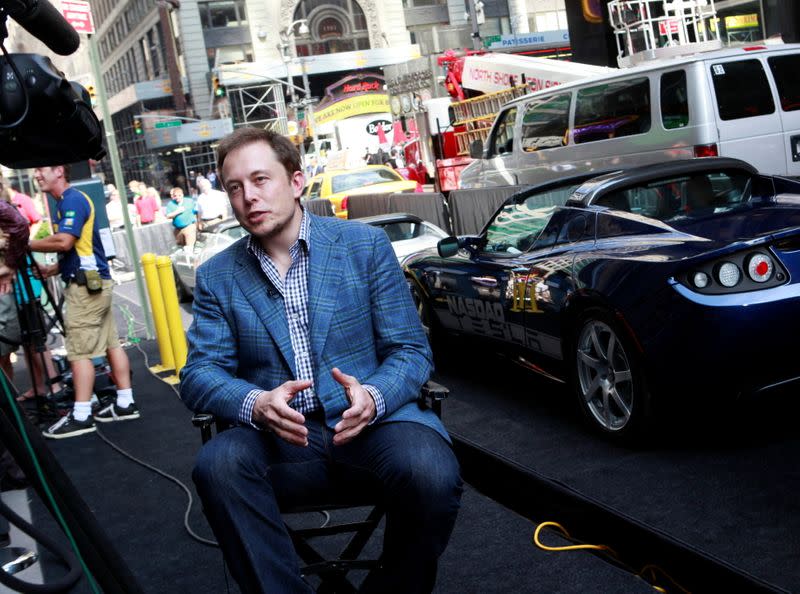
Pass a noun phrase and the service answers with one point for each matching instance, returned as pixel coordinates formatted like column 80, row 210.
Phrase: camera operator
column 13, row 243
column 17, row 312
column 88, row 319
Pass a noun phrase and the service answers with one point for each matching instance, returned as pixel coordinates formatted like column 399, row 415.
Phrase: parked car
column 740, row 102
column 212, row 240
column 336, row 185
column 407, row 232
column 672, row 281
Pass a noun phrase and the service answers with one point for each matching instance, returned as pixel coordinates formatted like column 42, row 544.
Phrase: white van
column 739, row 102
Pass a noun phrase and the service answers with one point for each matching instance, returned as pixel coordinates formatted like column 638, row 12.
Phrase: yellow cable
column 580, row 547
column 649, row 573
column 653, row 571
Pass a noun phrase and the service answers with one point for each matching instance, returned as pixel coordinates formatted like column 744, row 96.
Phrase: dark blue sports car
column 677, row 279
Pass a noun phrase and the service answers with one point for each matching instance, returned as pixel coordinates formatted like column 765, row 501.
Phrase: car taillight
column 728, row 274
column 760, row 268
column 345, row 200
column 706, row 150
column 751, row 270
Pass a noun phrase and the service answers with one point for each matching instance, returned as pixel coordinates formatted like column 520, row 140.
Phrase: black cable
column 65, row 555
column 158, row 471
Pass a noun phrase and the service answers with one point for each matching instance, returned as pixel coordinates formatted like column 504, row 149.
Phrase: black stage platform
column 729, row 491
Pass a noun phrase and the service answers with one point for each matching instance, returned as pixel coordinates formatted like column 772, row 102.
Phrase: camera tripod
column 36, row 323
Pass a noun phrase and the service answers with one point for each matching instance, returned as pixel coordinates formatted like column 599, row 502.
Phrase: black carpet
column 724, row 480
column 725, row 483
column 142, row 513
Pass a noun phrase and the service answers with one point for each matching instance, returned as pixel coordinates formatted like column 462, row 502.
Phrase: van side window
column 784, row 71
column 502, row 140
column 612, row 110
column 742, row 89
column 546, row 123
column 674, row 100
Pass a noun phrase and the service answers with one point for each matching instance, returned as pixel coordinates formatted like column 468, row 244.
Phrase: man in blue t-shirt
column 90, row 329
column 182, row 212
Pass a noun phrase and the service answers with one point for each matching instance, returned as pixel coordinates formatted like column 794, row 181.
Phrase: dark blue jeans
column 243, row 477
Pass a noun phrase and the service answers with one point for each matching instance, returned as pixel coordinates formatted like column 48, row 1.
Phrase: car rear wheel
column 607, row 378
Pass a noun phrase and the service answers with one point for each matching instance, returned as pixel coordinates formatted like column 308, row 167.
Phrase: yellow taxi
column 338, row 184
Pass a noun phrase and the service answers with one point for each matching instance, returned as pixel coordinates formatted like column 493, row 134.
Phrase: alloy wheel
column 605, row 376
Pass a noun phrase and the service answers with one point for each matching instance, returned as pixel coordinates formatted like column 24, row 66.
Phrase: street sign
column 78, row 14
column 169, row 124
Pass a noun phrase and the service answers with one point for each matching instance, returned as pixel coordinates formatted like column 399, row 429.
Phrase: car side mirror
column 476, row 149
column 447, row 247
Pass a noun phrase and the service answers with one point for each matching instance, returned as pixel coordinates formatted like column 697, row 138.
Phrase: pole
column 473, row 18
column 309, row 107
column 287, row 59
column 119, row 180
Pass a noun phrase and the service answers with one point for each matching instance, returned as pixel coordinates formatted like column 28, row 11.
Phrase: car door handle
column 484, row 281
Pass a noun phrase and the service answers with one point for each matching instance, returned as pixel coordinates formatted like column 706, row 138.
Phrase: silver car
column 407, row 232
column 211, row 241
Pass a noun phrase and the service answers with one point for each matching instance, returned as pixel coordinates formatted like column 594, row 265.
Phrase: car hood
column 388, row 187
column 406, row 247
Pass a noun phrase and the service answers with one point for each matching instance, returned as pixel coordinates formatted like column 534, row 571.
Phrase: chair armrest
column 204, row 422
column 431, row 395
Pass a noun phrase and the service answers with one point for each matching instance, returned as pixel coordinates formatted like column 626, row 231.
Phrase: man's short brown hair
column 285, row 151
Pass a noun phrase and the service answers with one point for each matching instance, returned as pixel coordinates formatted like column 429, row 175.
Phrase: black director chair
column 333, row 572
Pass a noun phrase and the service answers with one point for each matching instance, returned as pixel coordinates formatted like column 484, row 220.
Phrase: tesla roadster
column 675, row 280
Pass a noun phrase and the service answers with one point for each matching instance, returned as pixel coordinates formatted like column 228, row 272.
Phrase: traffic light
column 92, row 96
column 219, row 90
column 137, row 126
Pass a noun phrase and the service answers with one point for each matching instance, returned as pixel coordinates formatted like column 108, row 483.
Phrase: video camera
column 45, row 119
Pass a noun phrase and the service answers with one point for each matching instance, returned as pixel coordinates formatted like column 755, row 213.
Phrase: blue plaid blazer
column 362, row 320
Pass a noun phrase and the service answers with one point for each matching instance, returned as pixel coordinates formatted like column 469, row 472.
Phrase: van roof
column 665, row 64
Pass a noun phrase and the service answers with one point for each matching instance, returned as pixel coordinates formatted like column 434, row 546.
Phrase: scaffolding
column 648, row 29
column 260, row 106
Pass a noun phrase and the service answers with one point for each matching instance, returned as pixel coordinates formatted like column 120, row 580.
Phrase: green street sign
column 169, row 124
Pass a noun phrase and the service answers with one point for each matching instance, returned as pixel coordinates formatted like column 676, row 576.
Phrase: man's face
column 204, row 185
column 264, row 197
column 176, row 194
column 47, row 178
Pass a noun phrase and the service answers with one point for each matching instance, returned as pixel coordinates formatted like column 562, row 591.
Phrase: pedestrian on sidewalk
column 182, row 212
column 88, row 318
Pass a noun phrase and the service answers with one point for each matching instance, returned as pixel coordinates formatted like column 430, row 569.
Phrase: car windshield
column 691, row 195
column 515, row 228
column 359, row 179
column 402, row 230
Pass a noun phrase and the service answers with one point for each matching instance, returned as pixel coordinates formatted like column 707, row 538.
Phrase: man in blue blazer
column 306, row 338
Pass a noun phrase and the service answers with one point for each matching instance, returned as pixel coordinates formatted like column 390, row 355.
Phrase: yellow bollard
column 170, row 295
column 159, row 315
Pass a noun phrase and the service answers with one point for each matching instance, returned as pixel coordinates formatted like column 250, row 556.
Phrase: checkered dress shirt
column 294, row 291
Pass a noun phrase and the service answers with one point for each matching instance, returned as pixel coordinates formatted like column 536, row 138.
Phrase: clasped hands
column 272, row 410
